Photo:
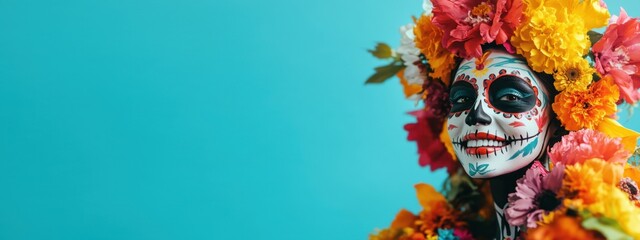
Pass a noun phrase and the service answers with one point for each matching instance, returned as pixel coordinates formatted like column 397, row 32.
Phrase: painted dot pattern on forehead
column 474, row 83
column 503, row 72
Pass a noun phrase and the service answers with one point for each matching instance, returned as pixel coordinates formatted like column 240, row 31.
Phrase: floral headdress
column 591, row 188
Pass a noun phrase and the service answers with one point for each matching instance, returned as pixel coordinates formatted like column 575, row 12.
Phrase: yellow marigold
column 551, row 35
column 586, row 109
column 593, row 13
column 428, row 39
column 617, row 206
column 574, row 76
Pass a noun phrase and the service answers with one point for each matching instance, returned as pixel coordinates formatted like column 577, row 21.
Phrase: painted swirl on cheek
column 526, row 150
column 542, row 119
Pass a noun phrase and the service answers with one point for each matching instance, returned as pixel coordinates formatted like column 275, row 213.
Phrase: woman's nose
column 478, row 116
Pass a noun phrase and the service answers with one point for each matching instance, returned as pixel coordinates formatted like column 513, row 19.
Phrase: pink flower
column 467, row 24
column 582, row 145
column 535, row 196
column 426, row 133
column 618, row 54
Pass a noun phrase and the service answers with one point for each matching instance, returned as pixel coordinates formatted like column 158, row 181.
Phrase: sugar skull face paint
column 499, row 120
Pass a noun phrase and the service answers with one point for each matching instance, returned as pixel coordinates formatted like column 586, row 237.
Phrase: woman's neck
column 501, row 187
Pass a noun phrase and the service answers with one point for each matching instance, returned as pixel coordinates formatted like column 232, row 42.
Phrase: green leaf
column 594, row 37
column 385, row 72
column 382, row 51
column 472, row 170
column 607, row 227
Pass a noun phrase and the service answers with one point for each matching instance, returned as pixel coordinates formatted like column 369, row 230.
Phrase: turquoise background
column 202, row 119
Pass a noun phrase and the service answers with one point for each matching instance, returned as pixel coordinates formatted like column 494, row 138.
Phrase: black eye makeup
column 511, row 94
column 462, row 96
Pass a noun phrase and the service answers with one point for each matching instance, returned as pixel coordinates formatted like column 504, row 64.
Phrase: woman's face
column 499, row 120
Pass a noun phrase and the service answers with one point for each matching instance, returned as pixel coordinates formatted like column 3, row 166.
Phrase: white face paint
column 499, row 121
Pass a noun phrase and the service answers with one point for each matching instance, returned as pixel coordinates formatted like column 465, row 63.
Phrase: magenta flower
column 467, row 24
column 536, row 195
column 618, row 54
column 582, row 145
column 462, row 234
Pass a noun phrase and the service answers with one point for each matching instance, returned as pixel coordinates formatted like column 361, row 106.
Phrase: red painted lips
column 483, row 143
column 482, row 136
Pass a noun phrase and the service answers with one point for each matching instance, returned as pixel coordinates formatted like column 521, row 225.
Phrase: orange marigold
column 586, row 109
column 436, row 213
column 411, row 91
column 562, row 227
column 402, row 228
column 428, row 39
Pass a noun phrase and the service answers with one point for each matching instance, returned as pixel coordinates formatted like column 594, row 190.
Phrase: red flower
column 467, row 24
column 426, row 133
column 436, row 100
column 618, row 54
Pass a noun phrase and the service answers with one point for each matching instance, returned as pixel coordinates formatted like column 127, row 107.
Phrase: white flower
column 427, row 6
column 410, row 54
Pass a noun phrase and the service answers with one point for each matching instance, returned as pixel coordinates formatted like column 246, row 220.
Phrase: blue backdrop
column 203, row 119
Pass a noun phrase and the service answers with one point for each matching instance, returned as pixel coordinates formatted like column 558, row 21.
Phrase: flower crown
column 593, row 73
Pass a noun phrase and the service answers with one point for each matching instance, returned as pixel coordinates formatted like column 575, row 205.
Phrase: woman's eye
column 512, row 94
column 509, row 98
column 462, row 100
column 461, row 96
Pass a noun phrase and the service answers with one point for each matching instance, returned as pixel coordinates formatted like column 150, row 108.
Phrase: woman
column 500, row 122
column 510, row 93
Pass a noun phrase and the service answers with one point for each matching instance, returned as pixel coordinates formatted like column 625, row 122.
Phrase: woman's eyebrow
column 514, row 82
column 514, row 77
